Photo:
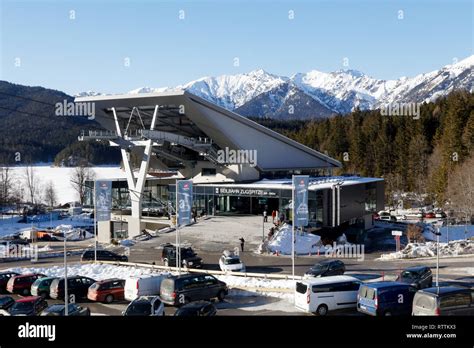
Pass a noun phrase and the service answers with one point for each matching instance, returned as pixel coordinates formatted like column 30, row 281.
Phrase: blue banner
column 103, row 200
column 300, row 200
column 184, row 195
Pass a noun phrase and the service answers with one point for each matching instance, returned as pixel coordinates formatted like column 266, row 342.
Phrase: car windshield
column 4, row 300
column 409, row 275
column 139, row 308
column 187, row 253
column 95, row 286
column 232, row 261
column 319, row 267
column 22, row 306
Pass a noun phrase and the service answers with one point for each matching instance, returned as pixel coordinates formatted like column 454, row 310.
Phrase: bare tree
column 460, row 190
column 79, row 176
column 414, row 233
column 6, row 185
column 50, row 194
column 32, row 184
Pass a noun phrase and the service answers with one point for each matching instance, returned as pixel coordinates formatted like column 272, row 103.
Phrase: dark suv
column 419, row 277
column 4, row 278
column 188, row 257
column 77, row 286
column 327, row 268
column 180, row 290
column 103, row 255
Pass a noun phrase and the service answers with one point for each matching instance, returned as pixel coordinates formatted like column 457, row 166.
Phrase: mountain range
column 318, row 94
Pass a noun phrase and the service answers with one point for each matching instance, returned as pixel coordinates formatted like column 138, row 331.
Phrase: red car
column 430, row 215
column 21, row 284
column 107, row 291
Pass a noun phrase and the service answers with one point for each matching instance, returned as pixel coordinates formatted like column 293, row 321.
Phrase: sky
column 116, row 46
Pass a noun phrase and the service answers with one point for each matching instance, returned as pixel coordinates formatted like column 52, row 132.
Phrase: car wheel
column 25, row 292
column 322, row 310
column 44, row 295
column 221, row 295
column 109, row 299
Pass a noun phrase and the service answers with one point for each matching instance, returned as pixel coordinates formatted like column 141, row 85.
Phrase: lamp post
column 437, row 256
column 66, row 296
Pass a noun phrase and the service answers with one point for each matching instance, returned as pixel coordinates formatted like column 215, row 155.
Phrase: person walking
column 273, row 215
column 242, row 242
column 265, row 217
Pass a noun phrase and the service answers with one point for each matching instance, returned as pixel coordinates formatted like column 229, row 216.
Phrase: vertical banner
column 300, row 200
column 103, row 200
column 184, row 201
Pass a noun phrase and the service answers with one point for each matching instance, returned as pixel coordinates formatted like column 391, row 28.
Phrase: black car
column 103, row 255
column 74, row 310
column 197, row 309
column 419, row 277
column 180, row 290
column 6, row 302
column 145, row 306
column 327, row 268
column 4, row 278
column 32, row 305
column 77, row 286
column 188, row 257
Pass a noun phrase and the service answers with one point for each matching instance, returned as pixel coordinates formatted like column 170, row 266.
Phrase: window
column 301, row 288
column 208, row 171
column 209, row 280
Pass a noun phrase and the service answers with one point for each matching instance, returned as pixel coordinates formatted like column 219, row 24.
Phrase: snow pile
column 72, row 233
column 103, row 271
column 428, row 249
column 305, row 242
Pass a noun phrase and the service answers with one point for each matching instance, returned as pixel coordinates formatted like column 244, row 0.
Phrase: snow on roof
column 315, row 183
column 327, row 280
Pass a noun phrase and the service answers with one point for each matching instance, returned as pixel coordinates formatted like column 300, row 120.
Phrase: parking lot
column 452, row 270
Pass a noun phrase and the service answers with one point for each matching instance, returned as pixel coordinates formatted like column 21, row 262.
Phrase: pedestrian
column 265, row 217
column 282, row 217
column 83, row 234
column 242, row 242
column 273, row 215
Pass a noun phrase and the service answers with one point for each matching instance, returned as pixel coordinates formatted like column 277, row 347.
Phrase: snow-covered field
column 428, row 249
column 61, row 176
column 103, row 271
column 12, row 226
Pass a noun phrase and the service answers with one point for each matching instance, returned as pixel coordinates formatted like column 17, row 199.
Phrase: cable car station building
column 237, row 165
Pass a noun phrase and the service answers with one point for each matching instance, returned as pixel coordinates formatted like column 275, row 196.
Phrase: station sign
column 245, row 192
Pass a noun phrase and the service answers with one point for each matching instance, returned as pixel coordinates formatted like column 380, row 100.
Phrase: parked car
column 385, row 215
column 74, row 310
column 430, row 215
column 419, row 277
column 188, row 257
column 385, row 298
column 107, row 291
column 6, row 302
column 444, row 300
column 41, row 286
column 76, row 286
column 4, row 278
column 142, row 286
column 145, row 306
column 21, row 284
column 440, row 215
column 103, row 255
column 321, row 295
column 180, row 290
column 31, row 305
column 231, row 262
column 327, row 268
column 197, row 309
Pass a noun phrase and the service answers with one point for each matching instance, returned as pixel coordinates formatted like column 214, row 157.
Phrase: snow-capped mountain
column 319, row 94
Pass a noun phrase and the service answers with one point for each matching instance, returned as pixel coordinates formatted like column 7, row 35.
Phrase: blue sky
column 89, row 52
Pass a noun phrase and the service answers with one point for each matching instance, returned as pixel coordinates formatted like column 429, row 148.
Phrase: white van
column 321, row 295
column 143, row 285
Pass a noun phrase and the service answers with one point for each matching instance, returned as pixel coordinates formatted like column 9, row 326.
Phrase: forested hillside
column 417, row 155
